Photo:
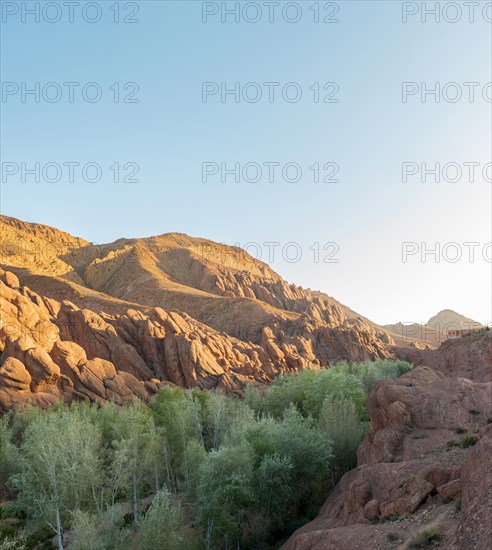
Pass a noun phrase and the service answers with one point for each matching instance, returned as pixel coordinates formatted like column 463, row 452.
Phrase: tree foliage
column 221, row 472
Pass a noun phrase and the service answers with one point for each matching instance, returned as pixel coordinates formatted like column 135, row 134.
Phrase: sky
column 309, row 125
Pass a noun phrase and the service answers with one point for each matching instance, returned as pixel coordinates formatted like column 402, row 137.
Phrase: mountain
column 448, row 317
column 435, row 330
column 112, row 322
column 107, row 322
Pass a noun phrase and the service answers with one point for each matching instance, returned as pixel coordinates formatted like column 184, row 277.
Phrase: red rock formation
column 406, row 461
column 54, row 350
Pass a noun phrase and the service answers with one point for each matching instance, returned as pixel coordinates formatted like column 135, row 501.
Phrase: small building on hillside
column 455, row 333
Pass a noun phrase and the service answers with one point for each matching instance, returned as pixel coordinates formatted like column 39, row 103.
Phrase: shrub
column 460, row 430
column 392, row 536
column 474, row 411
column 468, row 441
column 424, row 538
column 11, row 544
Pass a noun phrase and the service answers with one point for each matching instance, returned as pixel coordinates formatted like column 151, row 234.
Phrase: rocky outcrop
column 430, row 442
column 423, row 402
column 469, row 356
column 475, row 528
column 53, row 351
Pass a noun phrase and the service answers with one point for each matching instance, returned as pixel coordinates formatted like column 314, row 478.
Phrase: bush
column 392, row 536
column 11, row 544
column 468, row 441
column 307, row 390
column 464, row 442
column 424, row 538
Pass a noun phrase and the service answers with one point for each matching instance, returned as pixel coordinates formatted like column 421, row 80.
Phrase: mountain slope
column 219, row 286
column 124, row 318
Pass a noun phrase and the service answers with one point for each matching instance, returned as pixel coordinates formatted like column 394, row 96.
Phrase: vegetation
column 464, row 442
column 468, row 441
column 191, row 470
column 424, row 539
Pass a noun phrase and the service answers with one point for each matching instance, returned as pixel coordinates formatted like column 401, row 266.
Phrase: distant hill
column 436, row 328
column 448, row 317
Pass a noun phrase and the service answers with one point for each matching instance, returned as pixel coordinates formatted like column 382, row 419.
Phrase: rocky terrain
column 118, row 321
column 108, row 322
column 425, row 467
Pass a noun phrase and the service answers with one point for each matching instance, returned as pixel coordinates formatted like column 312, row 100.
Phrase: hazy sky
column 359, row 131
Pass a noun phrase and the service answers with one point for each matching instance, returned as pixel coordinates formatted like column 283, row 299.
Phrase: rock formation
column 110, row 322
column 428, row 449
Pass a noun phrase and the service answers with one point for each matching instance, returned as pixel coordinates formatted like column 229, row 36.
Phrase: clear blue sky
column 170, row 132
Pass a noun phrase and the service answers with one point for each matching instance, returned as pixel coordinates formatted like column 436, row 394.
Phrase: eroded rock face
column 406, row 461
column 246, row 337
column 54, row 350
column 475, row 528
column 425, row 402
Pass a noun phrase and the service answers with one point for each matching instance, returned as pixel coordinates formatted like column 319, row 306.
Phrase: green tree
column 340, row 422
column 226, row 495
column 162, row 525
column 59, row 468
column 99, row 532
column 273, row 484
column 9, row 454
column 179, row 415
column 11, row 544
column 132, row 458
